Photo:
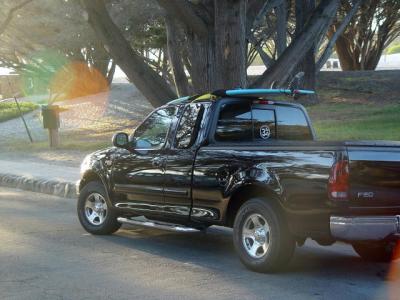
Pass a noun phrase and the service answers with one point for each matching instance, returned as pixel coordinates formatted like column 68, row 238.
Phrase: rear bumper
column 365, row 228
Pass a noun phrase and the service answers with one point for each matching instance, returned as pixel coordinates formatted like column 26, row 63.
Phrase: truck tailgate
column 374, row 173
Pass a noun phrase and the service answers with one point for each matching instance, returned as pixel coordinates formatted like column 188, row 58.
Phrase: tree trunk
column 315, row 27
column 373, row 59
column 304, row 10
column 348, row 60
column 111, row 72
column 216, row 37
column 200, row 41
column 174, row 43
column 334, row 34
column 361, row 44
column 152, row 86
column 281, row 27
column 230, row 43
column 202, row 58
column 354, row 60
column 98, row 58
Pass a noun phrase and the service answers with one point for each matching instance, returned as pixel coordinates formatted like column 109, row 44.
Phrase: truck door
column 138, row 175
column 180, row 160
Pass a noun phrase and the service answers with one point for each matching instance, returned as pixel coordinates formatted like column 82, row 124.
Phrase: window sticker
column 265, row 132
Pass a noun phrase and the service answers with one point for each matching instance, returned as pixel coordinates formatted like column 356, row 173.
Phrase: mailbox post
column 51, row 121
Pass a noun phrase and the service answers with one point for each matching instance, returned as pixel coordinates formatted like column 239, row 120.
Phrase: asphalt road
column 45, row 254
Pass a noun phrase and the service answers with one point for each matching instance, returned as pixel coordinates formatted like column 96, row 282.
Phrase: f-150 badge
column 365, row 194
column 265, row 132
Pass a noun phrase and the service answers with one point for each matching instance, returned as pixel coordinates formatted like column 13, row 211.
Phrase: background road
column 45, row 254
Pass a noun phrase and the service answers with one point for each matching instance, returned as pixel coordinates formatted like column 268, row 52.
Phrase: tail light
column 338, row 184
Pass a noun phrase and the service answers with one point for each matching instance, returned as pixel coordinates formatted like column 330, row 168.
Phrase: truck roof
column 238, row 93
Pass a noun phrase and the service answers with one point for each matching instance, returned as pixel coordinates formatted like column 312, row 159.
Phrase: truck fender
column 259, row 176
column 96, row 172
column 254, row 182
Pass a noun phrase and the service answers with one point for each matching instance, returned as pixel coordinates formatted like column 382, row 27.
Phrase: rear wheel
column 261, row 236
column 95, row 211
column 378, row 251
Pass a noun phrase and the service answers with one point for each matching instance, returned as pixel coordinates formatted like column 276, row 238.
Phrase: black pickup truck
column 239, row 160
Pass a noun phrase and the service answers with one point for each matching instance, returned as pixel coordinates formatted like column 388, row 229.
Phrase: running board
column 157, row 224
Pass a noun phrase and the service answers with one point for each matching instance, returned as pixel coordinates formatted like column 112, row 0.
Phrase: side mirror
column 120, row 140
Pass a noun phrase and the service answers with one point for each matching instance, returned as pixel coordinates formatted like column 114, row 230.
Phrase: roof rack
column 242, row 92
column 259, row 92
column 179, row 100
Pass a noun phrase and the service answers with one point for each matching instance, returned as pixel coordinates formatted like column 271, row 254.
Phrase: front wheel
column 261, row 236
column 381, row 251
column 95, row 212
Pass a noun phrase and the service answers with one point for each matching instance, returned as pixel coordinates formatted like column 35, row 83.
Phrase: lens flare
column 77, row 79
column 78, row 88
column 394, row 274
column 39, row 71
column 84, row 94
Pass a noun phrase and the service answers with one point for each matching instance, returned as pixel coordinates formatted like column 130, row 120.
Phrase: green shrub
column 393, row 49
column 8, row 110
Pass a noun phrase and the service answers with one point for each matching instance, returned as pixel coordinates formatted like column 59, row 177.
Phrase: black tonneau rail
column 374, row 143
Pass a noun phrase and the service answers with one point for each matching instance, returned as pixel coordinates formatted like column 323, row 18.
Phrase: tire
column 280, row 243
column 93, row 200
column 381, row 251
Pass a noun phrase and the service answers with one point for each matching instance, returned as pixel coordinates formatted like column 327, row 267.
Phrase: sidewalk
column 39, row 177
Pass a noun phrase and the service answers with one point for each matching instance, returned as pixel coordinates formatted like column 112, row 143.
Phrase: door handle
column 157, row 162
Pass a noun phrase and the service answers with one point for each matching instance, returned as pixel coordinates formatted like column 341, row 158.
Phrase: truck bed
column 298, row 172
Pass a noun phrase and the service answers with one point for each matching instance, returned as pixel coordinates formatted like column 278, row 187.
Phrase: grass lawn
column 349, row 121
column 8, row 110
column 354, row 106
column 332, row 121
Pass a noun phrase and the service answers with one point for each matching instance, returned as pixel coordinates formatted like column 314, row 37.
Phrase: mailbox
column 51, row 116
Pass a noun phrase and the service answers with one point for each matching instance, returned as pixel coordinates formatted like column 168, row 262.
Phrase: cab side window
column 188, row 126
column 243, row 122
column 234, row 123
column 152, row 133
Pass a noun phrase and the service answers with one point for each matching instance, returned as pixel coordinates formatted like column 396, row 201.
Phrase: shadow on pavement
column 215, row 250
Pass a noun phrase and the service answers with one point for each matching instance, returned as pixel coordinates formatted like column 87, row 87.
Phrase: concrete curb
column 40, row 185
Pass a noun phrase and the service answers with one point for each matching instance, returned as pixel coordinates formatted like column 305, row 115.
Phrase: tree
column 176, row 47
column 175, row 38
column 216, row 41
column 208, row 41
column 42, row 38
column 334, row 33
column 147, row 80
column 11, row 13
column 304, row 10
column 313, row 31
column 373, row 28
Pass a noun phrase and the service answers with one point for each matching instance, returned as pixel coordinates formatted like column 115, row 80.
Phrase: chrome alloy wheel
column 256, row 235
column 95, row 209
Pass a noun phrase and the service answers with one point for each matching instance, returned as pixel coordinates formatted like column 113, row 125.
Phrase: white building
column 387, row 62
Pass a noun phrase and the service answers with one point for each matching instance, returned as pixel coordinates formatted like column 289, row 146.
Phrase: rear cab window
column 249, row 121
column 292, row 124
